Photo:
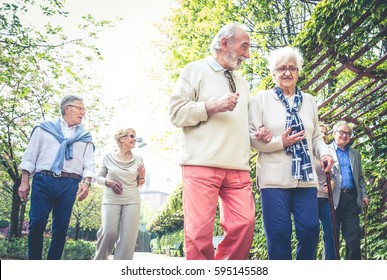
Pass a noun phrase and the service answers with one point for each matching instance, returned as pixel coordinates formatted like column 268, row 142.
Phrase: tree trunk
column 21, row 218
column 77, row 229
column 15, row 210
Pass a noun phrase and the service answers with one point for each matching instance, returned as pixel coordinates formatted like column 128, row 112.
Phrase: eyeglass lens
column 283, row 69
column 130, row 135
column 81, row 109
column 344, row 133
column 231, row 82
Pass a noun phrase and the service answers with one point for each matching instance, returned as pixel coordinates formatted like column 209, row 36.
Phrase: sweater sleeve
column 255, row 122
column 320, row 148
column 184, row 109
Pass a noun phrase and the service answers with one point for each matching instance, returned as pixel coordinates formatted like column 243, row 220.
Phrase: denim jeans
column 277, row 207
column 48, row 194
column 324, row 214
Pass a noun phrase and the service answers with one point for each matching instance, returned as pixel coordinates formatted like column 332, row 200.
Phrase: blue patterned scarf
column 66, row 144
column 301, row 165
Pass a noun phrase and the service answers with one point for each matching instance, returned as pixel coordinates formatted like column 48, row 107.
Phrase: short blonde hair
column 283, row 55
column 122, row 132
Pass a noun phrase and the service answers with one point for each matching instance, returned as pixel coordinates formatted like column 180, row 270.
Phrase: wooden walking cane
column 365, row 233
column 333, row 217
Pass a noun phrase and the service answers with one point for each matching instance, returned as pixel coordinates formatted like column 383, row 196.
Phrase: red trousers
column 202, row 188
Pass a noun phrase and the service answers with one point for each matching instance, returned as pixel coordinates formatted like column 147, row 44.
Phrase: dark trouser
column 347, row 218
column 277, row 207
column 326, row 222
column 56, row 194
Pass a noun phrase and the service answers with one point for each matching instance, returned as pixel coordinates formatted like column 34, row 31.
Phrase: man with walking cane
column 350, row 193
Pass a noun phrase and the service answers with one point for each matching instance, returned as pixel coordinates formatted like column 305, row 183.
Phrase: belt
column 62, row 174
column 348, row 190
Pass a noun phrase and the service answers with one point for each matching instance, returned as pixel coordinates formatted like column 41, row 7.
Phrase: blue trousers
column 278, row 205
column 50, row 194
column 324, row 213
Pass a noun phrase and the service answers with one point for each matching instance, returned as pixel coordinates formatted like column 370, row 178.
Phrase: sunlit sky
column 124, row 75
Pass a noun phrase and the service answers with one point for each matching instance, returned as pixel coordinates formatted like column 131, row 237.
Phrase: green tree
column 87, row 214
column 194, row 23
column 38, row 66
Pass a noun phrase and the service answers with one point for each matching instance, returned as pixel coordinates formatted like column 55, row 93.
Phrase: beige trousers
column 119, row 229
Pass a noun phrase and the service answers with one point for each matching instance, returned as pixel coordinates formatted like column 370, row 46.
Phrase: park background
column 123, row 57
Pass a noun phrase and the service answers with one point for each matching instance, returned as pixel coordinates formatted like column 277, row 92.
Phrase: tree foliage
column 39, row 64
column 169, row 217
column 87, row 213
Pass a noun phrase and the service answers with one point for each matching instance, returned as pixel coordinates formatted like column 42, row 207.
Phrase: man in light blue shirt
column 350, row 193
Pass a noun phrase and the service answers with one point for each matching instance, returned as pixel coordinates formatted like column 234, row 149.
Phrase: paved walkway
column 145, row 256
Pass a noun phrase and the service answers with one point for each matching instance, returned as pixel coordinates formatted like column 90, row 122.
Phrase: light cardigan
column 222, row 139
column 123, row 171
column 274, row 166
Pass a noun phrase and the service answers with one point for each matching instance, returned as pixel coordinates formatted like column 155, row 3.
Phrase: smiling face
column 285, row 76
column 74, row 113
column 126, row 139
column 235, row 50
column 342, row 136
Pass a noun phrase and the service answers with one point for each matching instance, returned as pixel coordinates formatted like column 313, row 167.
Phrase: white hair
column 340, row 124
column 228, row 31
column 283, row 55
column 69, row 99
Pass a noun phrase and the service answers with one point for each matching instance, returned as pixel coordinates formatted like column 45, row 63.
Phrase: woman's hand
column 289, row 137
column 141, row 174
column 329, row 162
column 115, row 186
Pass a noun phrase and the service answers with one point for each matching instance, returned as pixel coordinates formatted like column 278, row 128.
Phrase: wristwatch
column 87, row 183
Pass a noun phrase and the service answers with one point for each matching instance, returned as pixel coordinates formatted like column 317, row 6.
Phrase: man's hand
column 263, row 134
column 83, row 191
column 24, row 188
column 223, row 104
column 365, row 201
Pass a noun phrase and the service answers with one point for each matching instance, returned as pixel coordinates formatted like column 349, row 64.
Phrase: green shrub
column 17, row 248
column 79, row 250
column 172, row 244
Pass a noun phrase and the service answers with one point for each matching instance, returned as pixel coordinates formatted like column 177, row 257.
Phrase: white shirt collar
column 214, row 64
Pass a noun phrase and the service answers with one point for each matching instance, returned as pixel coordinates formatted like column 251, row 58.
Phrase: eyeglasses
column 283, row 69
column 130, row 135
column 80, row 109
column 231, row 82
column 345, row 133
